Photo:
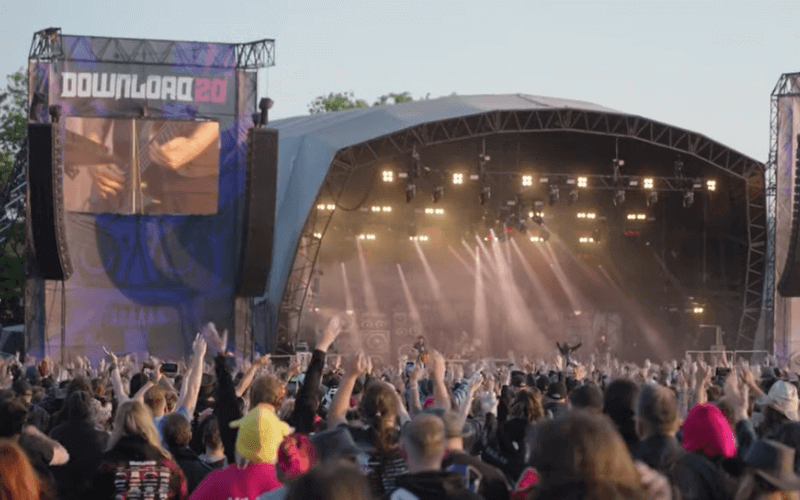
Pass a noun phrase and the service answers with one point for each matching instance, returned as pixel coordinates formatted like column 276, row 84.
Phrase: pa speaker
column 259, row 211
column 45, row 188
column 789, row 284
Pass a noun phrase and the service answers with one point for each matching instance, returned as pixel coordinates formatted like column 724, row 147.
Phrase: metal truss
column 255, row 55
column 12, row 197
column 48, row 45
column 676, row 139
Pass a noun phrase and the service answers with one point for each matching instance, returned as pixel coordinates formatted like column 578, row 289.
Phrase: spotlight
column 648, row 183
column 376, row 209
column 619, row 197
column 438, row 192
column 421, row 238
column 388, row 176
column 318, row 236
column 367, row 237
column 583, row 182
column 573, row 197
column 411, row 191
column 458, row 178
column 711, row 185
column 697, row 310
column 387, row 209
column 330, row 207
column 554, row 194
column 485, row 195
column 527, row 180
column 652, row 198
column 688, row 199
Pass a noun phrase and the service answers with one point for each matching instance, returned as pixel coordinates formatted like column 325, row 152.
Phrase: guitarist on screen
column 184, row 181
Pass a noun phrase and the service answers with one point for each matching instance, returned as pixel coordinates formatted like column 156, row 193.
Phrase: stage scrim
column 154, row 136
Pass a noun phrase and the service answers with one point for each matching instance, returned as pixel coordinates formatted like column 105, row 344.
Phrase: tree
column 13, row 102
column 341, row 101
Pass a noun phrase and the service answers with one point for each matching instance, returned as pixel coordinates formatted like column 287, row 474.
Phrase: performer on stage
column 421, row 350
column 566, row 350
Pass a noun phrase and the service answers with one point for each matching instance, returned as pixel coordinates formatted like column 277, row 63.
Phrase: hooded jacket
column 433, row 485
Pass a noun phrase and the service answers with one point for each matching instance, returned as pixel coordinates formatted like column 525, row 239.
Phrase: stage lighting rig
column 411, row 191
column 553, row 194
column 527, row 180
column 458, row 178
column 711, row 185
column 583, row 182
column 619, row 197
column 648, row 183
column 688, row 199
column 388, row 175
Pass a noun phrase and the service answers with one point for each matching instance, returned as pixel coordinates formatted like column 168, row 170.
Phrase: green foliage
column 13, row 102
column 341, row 101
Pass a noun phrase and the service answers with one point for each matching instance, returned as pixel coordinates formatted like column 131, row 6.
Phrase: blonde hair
column 135, row 419
column 424, row 437
column 18, row 481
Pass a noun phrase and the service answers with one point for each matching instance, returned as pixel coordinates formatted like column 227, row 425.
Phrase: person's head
column 618, row 404
column 98, row 387
column 177, row 431
column 587, row 397
column 138, row 381
column 211, row 438
column 79, row 406
column 656, row 412
column 171, row 400
column 705, row 431
column 18, row 480
column 79, row 384
column 581, row 455
column 423, row 441
column 332, row 481
column 260, row 434
column 379, row 409
column 23, row 389
column 517, row 381
column 13, row 415
column 267, row 390
column 156, row 399
column 783, row 399
column 296, row 456
column 770, row 473
column 527, row 406
column 557, row 391
column 134, row 419
column 335, row 444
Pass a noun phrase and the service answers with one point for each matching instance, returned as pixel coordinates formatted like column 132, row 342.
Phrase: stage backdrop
column 154, row 233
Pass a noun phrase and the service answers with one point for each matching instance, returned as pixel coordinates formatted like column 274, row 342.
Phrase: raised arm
column 440, row 396
column 189, row 397
column 116, row 380
column 337, row 415
column 250, row 374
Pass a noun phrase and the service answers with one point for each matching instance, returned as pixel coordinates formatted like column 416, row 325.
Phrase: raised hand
column 111, row 356
column 358, row 365
column 437, row 365
column 216, row 342
column 329, row 334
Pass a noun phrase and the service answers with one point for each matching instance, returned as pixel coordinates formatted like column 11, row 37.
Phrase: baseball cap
column 260, row 434
column 557, row 390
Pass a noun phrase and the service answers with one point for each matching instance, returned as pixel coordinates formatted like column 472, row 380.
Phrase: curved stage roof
column 309, row 144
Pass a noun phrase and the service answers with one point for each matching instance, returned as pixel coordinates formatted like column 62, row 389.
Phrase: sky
column 709, row 67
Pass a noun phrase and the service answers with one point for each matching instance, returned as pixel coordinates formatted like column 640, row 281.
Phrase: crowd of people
column 215, row 427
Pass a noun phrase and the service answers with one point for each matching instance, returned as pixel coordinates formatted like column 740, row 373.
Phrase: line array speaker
column 45, row 171
column 789, row 284
column 259, row 211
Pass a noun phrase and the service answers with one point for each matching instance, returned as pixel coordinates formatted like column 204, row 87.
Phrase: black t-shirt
column 479, row 477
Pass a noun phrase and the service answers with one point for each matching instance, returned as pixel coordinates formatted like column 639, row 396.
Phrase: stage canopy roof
column 309, row 144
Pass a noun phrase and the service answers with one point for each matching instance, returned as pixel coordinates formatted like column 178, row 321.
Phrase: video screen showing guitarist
column 175, row 171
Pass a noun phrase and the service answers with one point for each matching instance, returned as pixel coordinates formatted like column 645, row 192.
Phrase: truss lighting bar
column 637, row 217
column 367, row 237
column 527, row 180
column 458, row 178
column 318, row 236
column 648, row 183
column 434, row 211
column 330, row 207
column 711, row 185
column 388, row 176
column 378, row 209
column 421, row 238
column 537, row 239
column 583, row 182
column 587, row 215
column 586, row 239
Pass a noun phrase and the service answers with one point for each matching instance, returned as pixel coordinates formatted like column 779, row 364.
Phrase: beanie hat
column 260, row 434
column 707, row 431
